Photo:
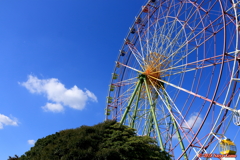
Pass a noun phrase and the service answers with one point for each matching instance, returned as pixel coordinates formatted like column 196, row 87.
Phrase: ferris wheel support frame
column 142, row 80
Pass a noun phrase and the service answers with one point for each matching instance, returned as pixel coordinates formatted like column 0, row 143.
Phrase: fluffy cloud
column 194, row 121
column 4, row 120
column 31, row 142
column 58, row 95
column 53, row 107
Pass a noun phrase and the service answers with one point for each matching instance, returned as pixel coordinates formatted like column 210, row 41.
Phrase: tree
column 13, row 158
column 104, row 141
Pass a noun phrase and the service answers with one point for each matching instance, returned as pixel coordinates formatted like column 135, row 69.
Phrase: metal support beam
column 154, row 115
column 131, row 100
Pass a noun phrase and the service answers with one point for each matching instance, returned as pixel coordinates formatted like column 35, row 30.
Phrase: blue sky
column 56, row 60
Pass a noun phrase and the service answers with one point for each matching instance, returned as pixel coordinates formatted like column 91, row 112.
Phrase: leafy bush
column 104, row 141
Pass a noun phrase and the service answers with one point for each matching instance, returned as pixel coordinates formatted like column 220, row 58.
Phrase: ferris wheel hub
column 152, row 72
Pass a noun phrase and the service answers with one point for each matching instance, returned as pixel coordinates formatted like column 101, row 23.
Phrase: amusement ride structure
column 177, row 78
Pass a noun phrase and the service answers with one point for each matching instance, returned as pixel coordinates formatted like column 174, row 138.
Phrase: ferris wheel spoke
column 177, row 38
column 166, row 41
column 134, row 69
column 156, row 38
column 140, row 41
column 183, row 68
column 190, row 39
column 137, row 55
column 209, row 61
column 163, row 29
column 190, row 92
column 192, row 66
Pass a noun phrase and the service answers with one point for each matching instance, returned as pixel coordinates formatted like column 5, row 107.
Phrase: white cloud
column 31, row 142
column 53, row 107
column 194, row 121
column 56, row 92
column 91, row 95
column 4, row 120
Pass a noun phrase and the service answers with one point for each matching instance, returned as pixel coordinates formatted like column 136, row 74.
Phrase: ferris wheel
column 176, row 78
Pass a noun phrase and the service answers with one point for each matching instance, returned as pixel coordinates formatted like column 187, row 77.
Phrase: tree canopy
column 104, row 141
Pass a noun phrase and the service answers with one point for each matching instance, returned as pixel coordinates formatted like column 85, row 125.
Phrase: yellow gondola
column 227, row 147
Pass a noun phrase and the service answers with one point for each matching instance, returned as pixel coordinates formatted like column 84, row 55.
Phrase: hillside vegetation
column 104, row 141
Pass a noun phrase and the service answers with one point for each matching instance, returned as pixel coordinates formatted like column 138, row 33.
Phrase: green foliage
column 104, row 141
column 13, row 158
